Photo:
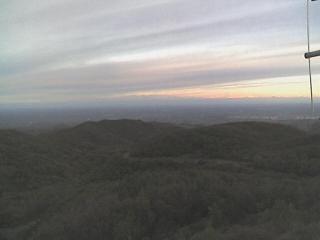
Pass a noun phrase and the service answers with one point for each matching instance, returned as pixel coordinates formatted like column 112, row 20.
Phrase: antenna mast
column 310, row 55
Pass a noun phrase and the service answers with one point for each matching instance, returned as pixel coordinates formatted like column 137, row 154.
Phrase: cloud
column 82, row 46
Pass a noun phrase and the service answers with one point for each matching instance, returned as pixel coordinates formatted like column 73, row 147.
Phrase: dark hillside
column 126, row 179
column 226, row 140
column 112, row 133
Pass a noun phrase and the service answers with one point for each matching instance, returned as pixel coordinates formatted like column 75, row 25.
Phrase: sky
column 76, row 51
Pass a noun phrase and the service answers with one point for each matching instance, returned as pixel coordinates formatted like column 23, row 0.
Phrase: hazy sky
column 57, row 51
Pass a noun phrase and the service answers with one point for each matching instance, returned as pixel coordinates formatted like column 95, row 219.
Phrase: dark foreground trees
column 249, row 187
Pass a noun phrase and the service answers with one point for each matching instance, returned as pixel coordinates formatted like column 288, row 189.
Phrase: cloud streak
column 112, row 48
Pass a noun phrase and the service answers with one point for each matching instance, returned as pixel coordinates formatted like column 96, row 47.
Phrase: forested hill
column 132, row 180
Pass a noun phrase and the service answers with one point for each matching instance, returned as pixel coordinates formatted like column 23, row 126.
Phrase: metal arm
column 312, row 54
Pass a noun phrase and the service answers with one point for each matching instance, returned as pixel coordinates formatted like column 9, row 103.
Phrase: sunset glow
column 287, row 87
column 71, row 51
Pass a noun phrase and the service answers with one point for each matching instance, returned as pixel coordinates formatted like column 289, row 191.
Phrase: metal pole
column 309, row 60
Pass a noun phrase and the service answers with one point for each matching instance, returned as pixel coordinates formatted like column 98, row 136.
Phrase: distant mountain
column 129, row 179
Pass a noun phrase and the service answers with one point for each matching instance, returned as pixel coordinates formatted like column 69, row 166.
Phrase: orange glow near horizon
column 286, row 87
